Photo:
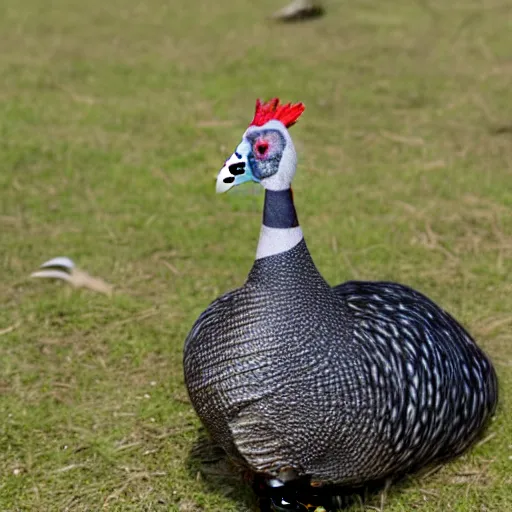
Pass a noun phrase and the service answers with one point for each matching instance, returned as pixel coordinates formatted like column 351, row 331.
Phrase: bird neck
column 280, row 230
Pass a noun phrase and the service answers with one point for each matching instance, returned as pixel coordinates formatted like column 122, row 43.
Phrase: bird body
column 345, row 384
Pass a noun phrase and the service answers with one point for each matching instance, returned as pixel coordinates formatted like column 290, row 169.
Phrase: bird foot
column 298, row 496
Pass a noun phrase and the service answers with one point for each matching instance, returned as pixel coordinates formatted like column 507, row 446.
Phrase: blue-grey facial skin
column 265, row 164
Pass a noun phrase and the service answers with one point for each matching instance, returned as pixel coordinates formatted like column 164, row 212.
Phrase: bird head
column 266, row 153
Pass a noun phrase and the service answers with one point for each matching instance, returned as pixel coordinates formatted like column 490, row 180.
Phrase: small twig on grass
column 171, row 267
column 431, row 472
column 429, row 493
column 9, row 329
column 486, row 439
column 128, row 446
column 467, row 473
column 433, row 243
column 70, row 467
column 142, row 316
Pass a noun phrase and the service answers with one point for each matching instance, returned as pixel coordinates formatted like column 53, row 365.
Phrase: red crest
column 287, row 114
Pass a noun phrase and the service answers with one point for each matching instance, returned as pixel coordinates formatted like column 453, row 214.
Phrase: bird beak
column 236, row 170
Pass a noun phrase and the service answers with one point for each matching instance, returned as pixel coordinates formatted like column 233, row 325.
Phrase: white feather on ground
column 64, row 268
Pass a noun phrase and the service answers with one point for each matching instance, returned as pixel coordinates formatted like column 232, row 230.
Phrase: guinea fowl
column 337, row 385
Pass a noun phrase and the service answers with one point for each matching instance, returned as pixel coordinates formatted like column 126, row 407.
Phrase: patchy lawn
column 115, row 118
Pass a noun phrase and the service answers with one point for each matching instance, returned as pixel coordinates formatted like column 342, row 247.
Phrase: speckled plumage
column 345, row 384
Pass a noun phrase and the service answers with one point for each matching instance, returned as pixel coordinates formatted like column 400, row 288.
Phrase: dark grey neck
column 279, row 210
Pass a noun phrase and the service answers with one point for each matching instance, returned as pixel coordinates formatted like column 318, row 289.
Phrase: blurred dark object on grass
column 299, row 10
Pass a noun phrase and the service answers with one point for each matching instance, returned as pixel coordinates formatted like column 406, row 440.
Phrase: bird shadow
column 208, row 463
column 219, row 475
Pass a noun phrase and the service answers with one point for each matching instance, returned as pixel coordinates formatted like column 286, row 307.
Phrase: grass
column 114, row 119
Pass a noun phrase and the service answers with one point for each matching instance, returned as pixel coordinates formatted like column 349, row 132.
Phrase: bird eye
column 261, row 148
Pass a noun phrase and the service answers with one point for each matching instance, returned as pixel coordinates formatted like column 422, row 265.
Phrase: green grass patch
column 114, row 119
